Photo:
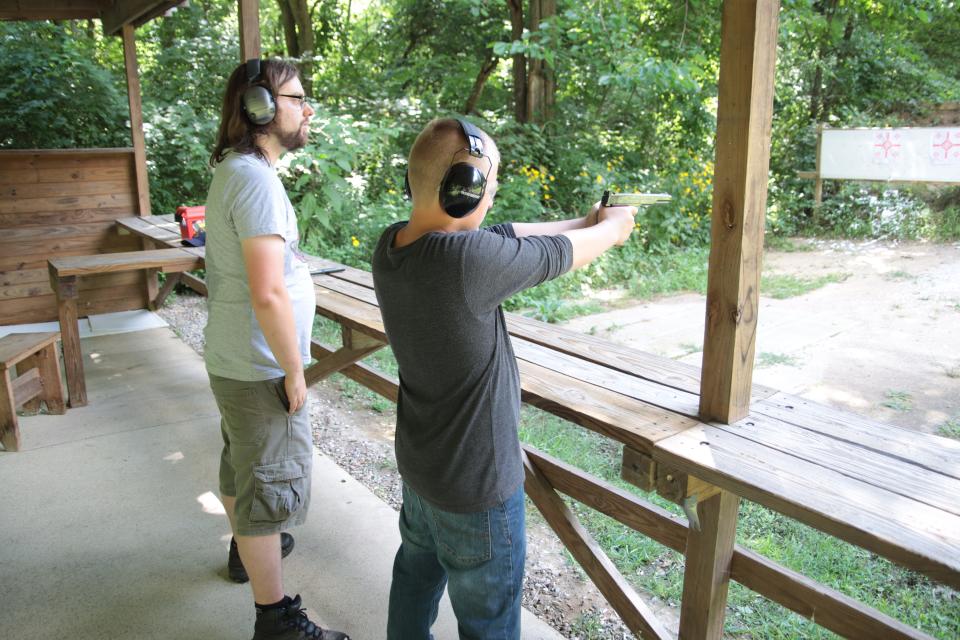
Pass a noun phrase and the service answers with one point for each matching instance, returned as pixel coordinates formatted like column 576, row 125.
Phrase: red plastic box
column 192, row 221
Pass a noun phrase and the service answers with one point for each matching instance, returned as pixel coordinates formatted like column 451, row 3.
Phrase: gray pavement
column 112, row 528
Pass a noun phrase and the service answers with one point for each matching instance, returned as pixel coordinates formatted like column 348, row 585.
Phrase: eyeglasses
column 301, row 99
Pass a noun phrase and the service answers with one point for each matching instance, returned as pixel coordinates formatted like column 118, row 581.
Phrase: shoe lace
column 302, row 623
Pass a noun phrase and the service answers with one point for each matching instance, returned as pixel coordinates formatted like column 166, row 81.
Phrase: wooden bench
column 888, row 490
column 64, row 273
column 37, row 363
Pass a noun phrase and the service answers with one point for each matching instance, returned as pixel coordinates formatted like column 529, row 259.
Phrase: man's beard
column 292, row 140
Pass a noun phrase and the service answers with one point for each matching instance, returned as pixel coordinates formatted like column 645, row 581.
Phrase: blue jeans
column 479, row 556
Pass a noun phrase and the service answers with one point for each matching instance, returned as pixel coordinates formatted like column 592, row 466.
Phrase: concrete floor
column 112, row 529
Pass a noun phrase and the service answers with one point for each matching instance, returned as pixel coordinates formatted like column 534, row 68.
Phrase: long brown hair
column 236, row 131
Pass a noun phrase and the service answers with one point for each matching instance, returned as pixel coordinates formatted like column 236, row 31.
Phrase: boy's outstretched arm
column 614, row 226
column 521, row 229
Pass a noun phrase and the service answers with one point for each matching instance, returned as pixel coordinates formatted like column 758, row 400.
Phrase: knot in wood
column 728, row 218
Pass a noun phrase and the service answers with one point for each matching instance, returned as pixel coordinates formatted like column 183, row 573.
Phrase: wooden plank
column 604, row 574
column 651, row 393
column 72, row 354
column 28, row 283
column 827, row 607
column 906, row 531
column 941, row 455
column 68, row 176
column 44, row 308
column 349, row 312
column 68, row 202
column 24, row 234
column 22, row 249
column 706, row 574
column 50, row 190
column 9, row 426
column 26, row 387
column 132, row 13
column 616, row 416
column 163, row 259
column 20, row 158
column 148, row 228
column 48, row 361
column 337, row 361
column 38, row 259
column 645, row 517
column 872, row 466
column 371, row 378
column 16, row 347
column 744, row 112
column 55, row 218
column 136, row 117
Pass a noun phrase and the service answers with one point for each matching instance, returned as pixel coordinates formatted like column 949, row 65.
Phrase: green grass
column 899, row 275
column 785, row 286
column 786, row 245
column 657, row 570
column 766, row 359
column 898, row 400
column 950, row 428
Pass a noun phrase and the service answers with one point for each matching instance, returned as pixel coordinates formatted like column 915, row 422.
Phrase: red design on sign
column 945, row 147
column 886, row 146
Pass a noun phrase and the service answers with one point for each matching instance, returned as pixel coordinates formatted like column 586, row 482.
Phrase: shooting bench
column 64, row 274
column 888, row 490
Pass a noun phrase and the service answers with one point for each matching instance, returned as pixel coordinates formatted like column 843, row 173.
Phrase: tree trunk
column 289, row 28
column 489, row 64
column 540, row 81
column 299, row 38
column 519, row 62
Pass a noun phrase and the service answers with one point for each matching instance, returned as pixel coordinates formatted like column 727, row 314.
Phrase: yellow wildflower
column 354, row 241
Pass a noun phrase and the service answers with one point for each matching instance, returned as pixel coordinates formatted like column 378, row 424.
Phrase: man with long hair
column 261, row 307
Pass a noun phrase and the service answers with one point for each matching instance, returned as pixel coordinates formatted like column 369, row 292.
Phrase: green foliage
column 60, row 89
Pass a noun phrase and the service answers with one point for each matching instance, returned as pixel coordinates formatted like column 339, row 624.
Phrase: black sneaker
column 235, row 565
column 290, row 622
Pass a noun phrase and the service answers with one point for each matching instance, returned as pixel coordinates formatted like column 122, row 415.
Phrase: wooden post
column 66, row 290
column 136, row 119
column 706, row 574
column 747, row 55
column 249, row 14
column 818, row 180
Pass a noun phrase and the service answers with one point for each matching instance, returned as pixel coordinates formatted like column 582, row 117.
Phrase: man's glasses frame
column 301, row 99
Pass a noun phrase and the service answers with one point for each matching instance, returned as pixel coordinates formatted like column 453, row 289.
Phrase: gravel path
column 359, row 439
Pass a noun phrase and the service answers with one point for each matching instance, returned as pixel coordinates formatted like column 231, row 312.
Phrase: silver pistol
column 633, row 199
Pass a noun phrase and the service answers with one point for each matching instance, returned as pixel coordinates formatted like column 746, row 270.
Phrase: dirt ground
column 883, row 342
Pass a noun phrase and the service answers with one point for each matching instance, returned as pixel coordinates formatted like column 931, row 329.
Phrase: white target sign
column 930, row 154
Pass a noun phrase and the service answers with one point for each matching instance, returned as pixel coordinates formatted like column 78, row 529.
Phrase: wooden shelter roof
column 112, row 13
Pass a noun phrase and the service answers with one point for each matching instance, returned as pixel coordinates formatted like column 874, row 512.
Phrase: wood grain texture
column 744, row 113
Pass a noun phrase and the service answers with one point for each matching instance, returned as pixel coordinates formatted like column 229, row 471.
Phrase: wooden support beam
column 356, row 346
column 614, row 587
column 249, row 15
column 136, row 120
column 133, row 13
column 706, row 575
column 745, row 108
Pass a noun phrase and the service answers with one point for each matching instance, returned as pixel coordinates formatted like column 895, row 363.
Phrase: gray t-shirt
column 459, row 403
column 247, row 199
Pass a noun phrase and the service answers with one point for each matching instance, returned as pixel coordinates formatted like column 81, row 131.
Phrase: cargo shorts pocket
column 280, row 489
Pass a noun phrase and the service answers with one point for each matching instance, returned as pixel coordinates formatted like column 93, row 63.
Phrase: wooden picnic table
column 891, row 491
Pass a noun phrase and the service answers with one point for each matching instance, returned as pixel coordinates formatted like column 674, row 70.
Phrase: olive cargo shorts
column 267, row 455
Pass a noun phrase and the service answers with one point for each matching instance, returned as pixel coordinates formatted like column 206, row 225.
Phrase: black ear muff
column 462, row 186
column 258, row 103
column 462, row 189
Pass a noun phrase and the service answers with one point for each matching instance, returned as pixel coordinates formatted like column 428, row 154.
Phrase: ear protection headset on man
column 463, row 185
column 257, row 102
